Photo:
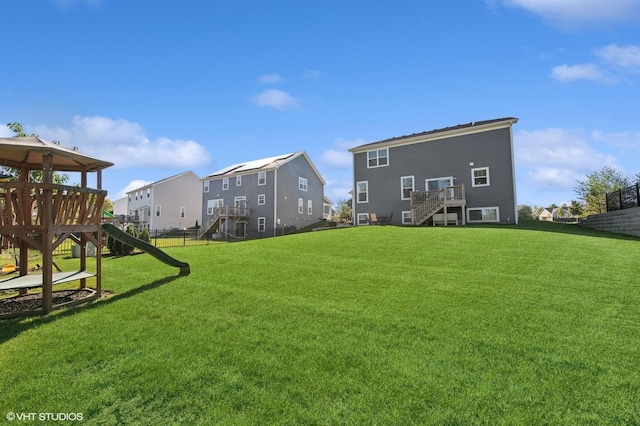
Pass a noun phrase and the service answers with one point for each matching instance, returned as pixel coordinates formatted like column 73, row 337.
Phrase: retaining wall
column 620, row 221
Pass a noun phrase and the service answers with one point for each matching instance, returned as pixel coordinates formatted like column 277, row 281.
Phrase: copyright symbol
column 11, row 416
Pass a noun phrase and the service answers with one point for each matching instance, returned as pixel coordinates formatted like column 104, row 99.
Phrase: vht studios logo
column 43, row 417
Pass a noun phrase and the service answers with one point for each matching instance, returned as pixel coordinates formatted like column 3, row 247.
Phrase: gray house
column 170, row 203
column 262, row 198
column 454, row 175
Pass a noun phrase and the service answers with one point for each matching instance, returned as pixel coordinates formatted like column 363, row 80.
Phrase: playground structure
column 42, row 215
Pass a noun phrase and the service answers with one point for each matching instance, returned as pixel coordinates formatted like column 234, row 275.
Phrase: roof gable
column 436, row 134
column 29, row 151
column 264, row 164
column 161, row 181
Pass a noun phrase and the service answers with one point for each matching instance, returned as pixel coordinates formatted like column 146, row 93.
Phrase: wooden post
column 47, row 238
column 99, row 241
column 83, row 238
column 26, row 214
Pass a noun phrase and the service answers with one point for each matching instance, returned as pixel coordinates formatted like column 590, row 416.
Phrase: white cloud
column 625, row 141
column 569, row 14
column 626, row 58
column 124, row 143
column 312, row 74
column 270, row 78
column 340, row 157
column 67, row 3
column 277, row 99
column 554, row 159
column 589, row 72
column 134, row 184
column 338, row 189
column 5, row 132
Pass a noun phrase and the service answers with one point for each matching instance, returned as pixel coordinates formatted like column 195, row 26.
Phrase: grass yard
column 530, row 324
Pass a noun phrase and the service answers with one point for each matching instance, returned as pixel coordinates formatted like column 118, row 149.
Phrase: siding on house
column 451, row 152
column 281, row 194
column 171, row 197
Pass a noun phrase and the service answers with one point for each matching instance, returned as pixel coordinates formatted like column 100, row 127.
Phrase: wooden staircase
column 424, row 204
column 220, row 213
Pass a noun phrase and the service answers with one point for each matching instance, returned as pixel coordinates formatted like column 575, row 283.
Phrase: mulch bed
column 32, row 303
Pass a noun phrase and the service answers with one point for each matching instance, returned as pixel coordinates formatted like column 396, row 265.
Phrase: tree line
column 591, row 194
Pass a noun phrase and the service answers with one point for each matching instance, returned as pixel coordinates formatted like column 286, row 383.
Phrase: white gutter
column 275, row 200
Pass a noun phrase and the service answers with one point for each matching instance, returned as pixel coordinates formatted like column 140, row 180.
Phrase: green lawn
column 531, row 324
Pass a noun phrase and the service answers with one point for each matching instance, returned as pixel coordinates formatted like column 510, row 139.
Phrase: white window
column 363, row 218
column 158, row 210
column 407, row 184
column 362, row 192
column 206, row 186
column 238, row 180
column 148, row 192
column 225, row 183
column 261, row 199
column 438, row 183
column 378, row 158
column 182, row 212
column 262, row 178
column 302, row 184
column 309, row 207
column 300, row 205
column 240, row 201
column 407, row 218
column 483, row 214
column 129, row 197
column 262, row 224
column 213, row 204
column 480, row 176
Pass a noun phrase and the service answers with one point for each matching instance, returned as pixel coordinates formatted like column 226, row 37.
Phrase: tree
column 343, row 210
column 576, row 208
column 593, row 191
column 525, row 212
column 108, row 205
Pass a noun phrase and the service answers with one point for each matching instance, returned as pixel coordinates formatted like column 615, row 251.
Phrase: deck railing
column 224, row 212
column 425, row 203
column 22, row 204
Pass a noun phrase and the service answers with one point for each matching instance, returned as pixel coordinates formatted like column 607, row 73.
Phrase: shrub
column 144, row 235
column 127, row 249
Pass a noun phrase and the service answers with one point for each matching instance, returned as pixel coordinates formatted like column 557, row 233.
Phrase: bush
column 144, row 235
column 127, row 249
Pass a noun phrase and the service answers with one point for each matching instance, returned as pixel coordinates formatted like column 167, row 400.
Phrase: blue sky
column 161, row 87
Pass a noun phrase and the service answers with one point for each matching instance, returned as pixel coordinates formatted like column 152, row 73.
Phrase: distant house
column 263, row 198
column 555, row 213
column 171, row 203
column 120, row 206
column 454, row 175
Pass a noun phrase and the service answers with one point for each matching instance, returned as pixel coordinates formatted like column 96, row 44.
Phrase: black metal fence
column 624, row 198
column 159, row 238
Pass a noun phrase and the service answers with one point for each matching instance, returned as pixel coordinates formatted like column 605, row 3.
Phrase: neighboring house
column 455, row 175
column 171, row 203
column 555, row 213
column 263, row 198
column 120, row 206
column 327, row 209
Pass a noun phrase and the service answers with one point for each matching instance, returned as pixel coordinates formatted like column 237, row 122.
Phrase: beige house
column 171, row 203
column 551, row 214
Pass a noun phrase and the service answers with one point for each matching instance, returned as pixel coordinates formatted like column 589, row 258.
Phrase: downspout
column 275, row 200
